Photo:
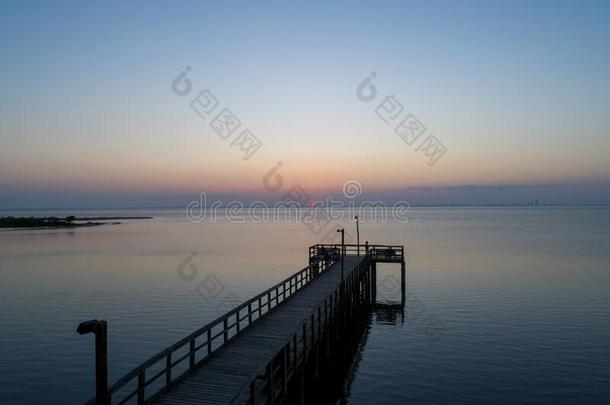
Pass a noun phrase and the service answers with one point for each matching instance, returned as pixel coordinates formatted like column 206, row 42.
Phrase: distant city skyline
column 517, row 93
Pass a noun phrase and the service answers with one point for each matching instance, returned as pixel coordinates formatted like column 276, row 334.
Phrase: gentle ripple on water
column 522, row 295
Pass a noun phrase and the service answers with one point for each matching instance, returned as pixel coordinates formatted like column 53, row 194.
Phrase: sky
column 93, row 114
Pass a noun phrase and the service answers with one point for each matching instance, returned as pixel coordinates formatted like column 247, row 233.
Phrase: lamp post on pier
column 342, row 230
column 357, row 233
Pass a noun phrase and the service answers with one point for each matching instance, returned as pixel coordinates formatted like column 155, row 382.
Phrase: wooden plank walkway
column 221, row 378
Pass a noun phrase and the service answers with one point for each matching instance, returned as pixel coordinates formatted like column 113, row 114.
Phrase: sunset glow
column 93, row 112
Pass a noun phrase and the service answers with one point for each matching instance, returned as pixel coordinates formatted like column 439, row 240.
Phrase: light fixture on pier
column 342, row 230
column 357, row 234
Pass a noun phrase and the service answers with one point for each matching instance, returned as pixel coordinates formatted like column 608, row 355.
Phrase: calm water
column 504, row 305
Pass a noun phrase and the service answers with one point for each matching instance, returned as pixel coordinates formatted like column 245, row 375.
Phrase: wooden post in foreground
column 99, row 329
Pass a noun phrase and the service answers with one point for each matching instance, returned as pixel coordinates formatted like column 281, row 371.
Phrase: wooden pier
column 264, row 350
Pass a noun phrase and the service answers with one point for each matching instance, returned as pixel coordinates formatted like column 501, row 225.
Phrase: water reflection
column 335, row 385
column 517, row 300
column 389, row 313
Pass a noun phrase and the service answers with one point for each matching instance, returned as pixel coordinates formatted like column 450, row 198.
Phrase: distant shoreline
column 413, row 205
column 58, row 222
column 107, row 218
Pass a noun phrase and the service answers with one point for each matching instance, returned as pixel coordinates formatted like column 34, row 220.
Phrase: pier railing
column 154, row 376
column 168, row 366
column 383, row 253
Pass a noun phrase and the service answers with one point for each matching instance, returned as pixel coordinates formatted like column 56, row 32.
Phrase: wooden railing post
column 253, row 392
column 304, row 343
column 168, row 367
column 319, row 321
column 260, row 309
column 294, row 349
column 313, row 338
column 284, row 371
column 141, row 387
column 270, row 381
column 192, row 353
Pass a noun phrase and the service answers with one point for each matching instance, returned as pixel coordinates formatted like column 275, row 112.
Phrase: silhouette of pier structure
column 268, row 350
